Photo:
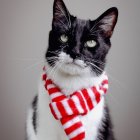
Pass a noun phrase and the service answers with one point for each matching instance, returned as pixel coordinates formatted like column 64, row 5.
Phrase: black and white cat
column 75, row 59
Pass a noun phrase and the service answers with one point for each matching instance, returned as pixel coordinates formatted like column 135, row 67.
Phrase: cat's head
column 78, row 46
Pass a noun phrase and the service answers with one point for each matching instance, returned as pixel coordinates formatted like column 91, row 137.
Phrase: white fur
column 70, row 76
column 29, row 127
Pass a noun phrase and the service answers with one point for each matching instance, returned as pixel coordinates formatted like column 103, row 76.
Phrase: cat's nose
column 74, row 53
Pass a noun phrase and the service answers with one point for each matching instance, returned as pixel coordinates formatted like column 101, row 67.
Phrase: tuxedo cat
column 75, row 59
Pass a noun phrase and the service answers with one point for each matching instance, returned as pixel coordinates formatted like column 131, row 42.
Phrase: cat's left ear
column 61, row 15
column 107, row 21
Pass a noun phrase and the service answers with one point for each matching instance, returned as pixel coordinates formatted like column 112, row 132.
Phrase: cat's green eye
column 90, row 43
column 64, row 38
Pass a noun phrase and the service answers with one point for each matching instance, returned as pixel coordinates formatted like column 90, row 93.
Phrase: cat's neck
column 69, row 84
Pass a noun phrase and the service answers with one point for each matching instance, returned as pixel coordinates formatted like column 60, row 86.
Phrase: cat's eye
column 90, row 43
column 64, row 38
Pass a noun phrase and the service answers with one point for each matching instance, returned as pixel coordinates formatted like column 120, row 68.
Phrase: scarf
column 69, row 109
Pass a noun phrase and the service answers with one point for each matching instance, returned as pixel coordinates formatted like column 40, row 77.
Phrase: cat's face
column 77, row 46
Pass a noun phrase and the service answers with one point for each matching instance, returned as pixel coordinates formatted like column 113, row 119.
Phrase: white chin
column 72, row 69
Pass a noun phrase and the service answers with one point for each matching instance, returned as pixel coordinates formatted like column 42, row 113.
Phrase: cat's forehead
column 80, row 24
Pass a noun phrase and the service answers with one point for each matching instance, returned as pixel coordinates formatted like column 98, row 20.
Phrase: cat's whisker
column 33, row 65
column 95, row 66
column 53, row 69
column 93, row 60
column 58, row 50
column 53, row 52
column 51, row 63
column 109, row 75
column 52, row 58
column 99, row 70
column 50, row 71
column 99, row 62
column 58, row 66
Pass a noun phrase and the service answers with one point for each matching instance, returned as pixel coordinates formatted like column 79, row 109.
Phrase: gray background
column 24, row 26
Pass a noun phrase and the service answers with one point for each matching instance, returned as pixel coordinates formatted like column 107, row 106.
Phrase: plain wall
column 24, row 27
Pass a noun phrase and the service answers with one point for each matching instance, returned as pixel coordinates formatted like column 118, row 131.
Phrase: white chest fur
column 49, row 128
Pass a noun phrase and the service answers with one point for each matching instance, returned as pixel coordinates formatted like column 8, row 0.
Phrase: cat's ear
column 61, row 15
column 107, row 21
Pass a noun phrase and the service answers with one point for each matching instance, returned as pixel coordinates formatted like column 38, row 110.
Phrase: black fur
column 34, row 117
column 106, row 130
column 79, row 31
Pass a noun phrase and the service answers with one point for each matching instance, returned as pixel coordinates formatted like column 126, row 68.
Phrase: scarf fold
column 68, row 109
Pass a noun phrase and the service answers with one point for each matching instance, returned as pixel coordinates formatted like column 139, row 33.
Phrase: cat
column 75, row 59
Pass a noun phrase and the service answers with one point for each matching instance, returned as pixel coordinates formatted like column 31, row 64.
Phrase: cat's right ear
column 61, row 15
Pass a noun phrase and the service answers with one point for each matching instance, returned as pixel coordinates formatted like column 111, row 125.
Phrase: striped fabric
column 68, row 109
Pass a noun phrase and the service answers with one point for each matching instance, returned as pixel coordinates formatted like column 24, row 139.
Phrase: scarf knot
column 68, row 109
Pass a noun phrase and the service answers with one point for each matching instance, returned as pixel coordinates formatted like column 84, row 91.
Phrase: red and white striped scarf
column 68, row 109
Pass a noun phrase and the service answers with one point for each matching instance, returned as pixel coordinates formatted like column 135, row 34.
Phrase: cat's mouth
column 76, row 64
column 73, row 68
